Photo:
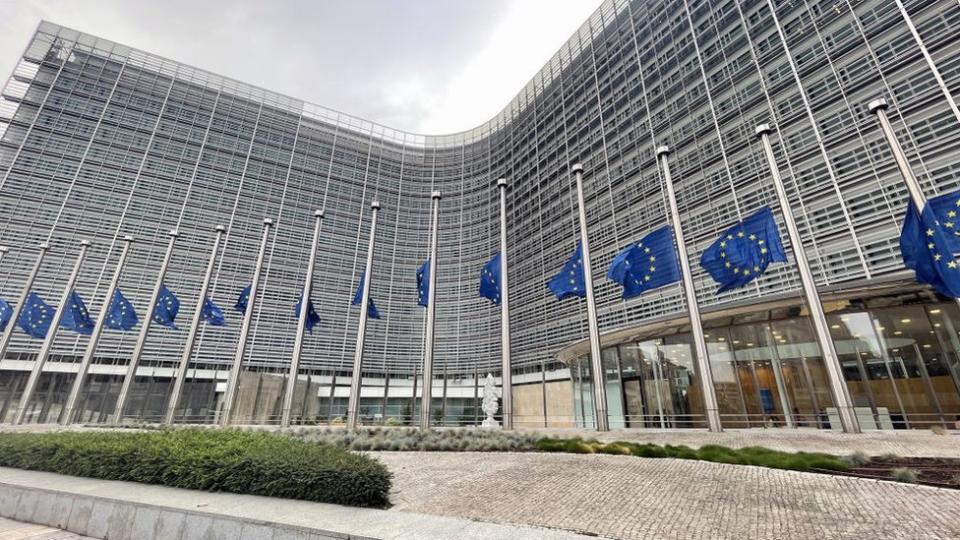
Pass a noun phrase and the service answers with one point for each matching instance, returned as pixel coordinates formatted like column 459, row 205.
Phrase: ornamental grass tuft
column 247, row 462
column 754, row 455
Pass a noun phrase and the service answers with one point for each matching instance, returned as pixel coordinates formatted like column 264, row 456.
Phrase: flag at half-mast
column 490, row 279
column 743, row 252
column 929, row 243
column 645, row 265
column 570, row 280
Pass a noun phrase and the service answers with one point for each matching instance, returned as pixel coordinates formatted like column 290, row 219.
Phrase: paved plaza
column 567, row 495
column 636, row 498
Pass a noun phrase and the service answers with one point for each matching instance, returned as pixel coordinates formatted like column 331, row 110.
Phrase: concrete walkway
column 636, row 498
column 16, row 530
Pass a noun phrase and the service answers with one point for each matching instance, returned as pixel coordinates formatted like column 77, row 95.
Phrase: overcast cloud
column 426, row 66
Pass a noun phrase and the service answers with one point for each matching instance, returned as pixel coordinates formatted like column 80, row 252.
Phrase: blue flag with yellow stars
column 36, row 317
column 490, row 279
column 120, row 314
column 76, row 317
column 212, row 314
column 946, row 208
column 167, row 307
column 243, row 300
column 743, row 252
column 6, row 313
column 312, row 318
column 646, row 265
column 570, row 281
column 926, row 246
column 358, row 297
column 423, row 283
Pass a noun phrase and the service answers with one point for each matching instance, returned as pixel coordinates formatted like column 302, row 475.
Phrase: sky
column 423, row 66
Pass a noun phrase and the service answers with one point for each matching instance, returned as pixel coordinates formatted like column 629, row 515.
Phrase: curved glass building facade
column 99, row 140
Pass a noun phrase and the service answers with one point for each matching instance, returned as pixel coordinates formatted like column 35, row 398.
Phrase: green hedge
column 753, row 455
column 255, row 463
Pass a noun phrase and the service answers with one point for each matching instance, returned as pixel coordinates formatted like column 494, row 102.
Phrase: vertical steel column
column 66, row 416
column 599, row 378
column 506, row 365
column 51, row 335
column 181, row 375
column 838, row 385
column 302, row 324
column 353, row 403
column 230, row 396
column 696, row 324
column 18, row 306
column 144, row 328
column 425, row 404
column 657, row 365
column 778, row 377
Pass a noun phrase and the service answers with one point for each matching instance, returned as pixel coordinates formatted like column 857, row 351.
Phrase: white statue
column 491, row 395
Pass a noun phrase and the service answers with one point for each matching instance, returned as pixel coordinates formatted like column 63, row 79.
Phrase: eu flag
column 570, row 281
column 36, row 316
column 927, row 248
column 76, row 317
column 358, row 297
column 743, row 252
column 243, row 300
column 946, row 209
column 212, row 314
column 646, row 265
column 423, row 283
column 167, row 307
column 312, row 318
column 6, row 312
column 120, row 314
column 490, row 279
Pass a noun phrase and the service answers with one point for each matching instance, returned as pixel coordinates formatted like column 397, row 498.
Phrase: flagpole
column 181, row 374
column 144, row 328
column 301, row 322
column 18, row 307
column 230, row 395
column 427, row 400
column 879, row 107
column 353, row 404
column 693, row 309
column 599, row 375
column 66, row 416
column 838, row 385
column 51, row 334
column 506, row 366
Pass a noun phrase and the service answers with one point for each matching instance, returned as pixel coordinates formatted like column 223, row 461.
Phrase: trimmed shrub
column 248, row 462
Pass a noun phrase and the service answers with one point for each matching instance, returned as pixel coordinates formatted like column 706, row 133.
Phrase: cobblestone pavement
column 15, row 530
column 632, row 498
column 912, row 443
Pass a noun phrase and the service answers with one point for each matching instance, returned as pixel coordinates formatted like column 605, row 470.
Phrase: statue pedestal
column 490, row 423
